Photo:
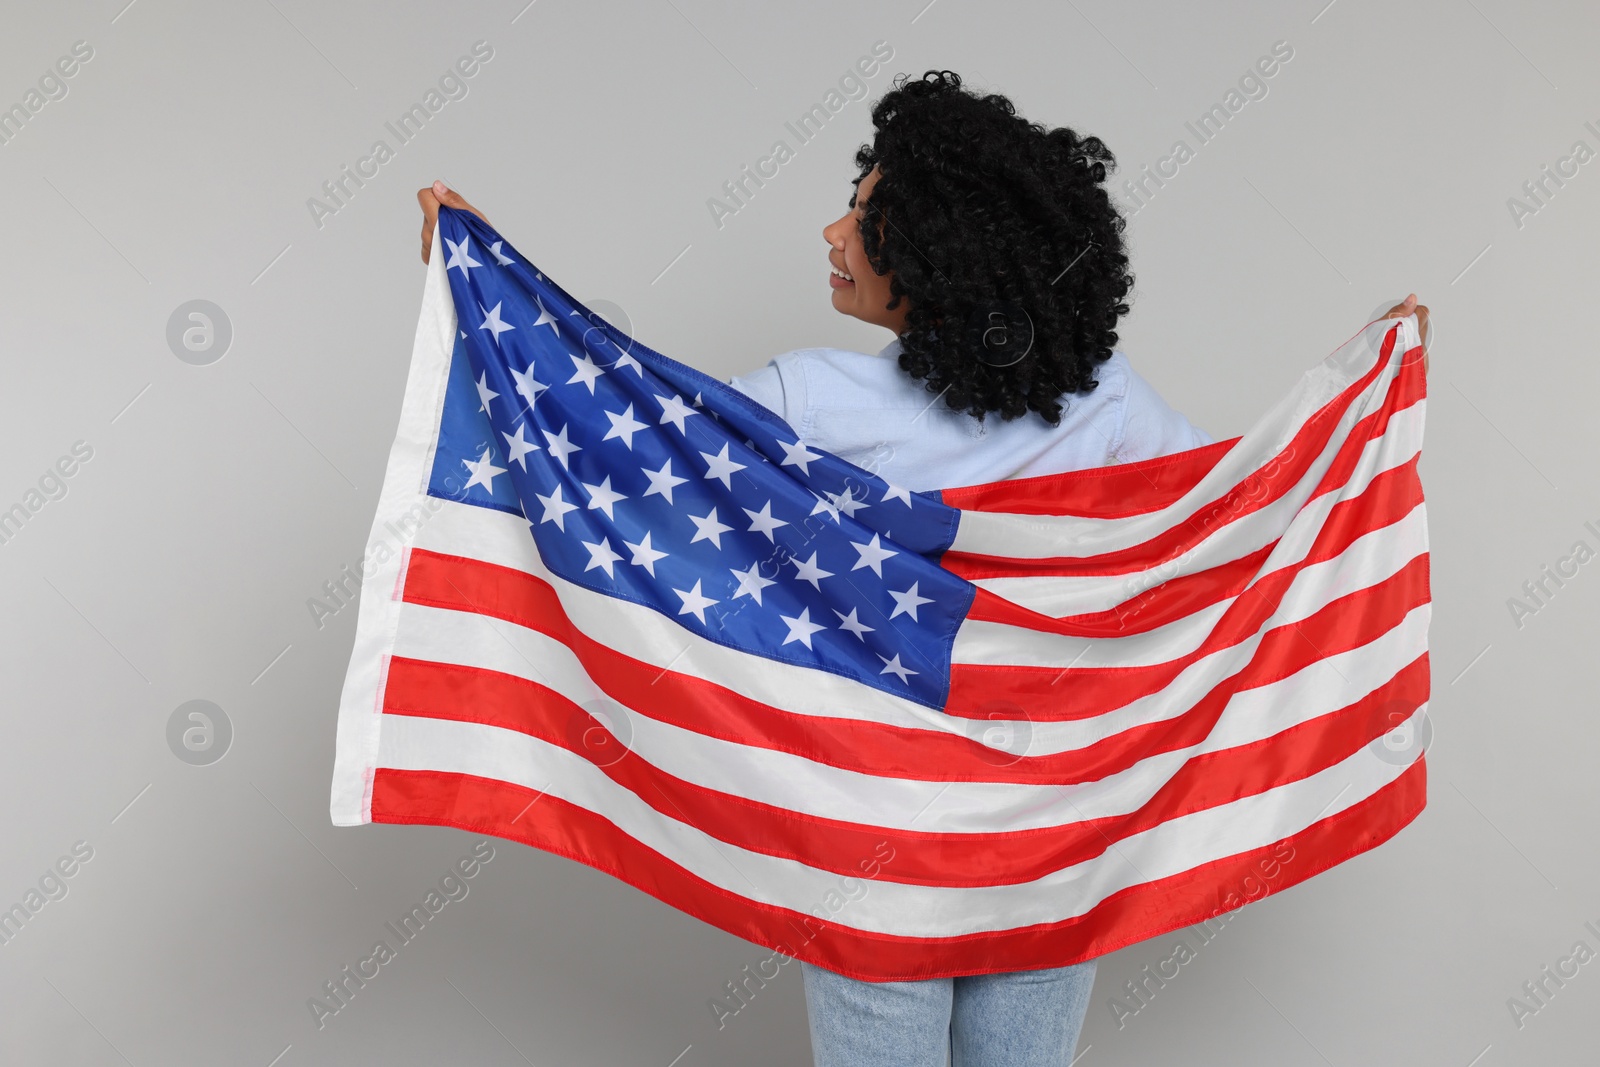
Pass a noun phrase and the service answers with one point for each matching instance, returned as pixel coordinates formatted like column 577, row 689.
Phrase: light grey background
column 220, row 498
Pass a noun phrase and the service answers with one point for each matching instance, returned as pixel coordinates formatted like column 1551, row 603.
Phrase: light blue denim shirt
column 865, row 409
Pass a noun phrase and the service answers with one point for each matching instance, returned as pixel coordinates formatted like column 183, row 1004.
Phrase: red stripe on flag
column 1139, row 912
column 1097, row 492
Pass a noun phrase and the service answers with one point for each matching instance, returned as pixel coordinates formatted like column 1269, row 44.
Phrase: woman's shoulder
column 1150, row 426
column 843, row 377
column 792, row 382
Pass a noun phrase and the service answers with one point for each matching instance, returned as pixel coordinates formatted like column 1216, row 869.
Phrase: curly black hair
column 1002, row 237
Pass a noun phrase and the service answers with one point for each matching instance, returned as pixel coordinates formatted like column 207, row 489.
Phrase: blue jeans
column 1011, row 1019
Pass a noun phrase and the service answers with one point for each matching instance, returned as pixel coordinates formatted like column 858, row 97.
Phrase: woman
column 989, row 246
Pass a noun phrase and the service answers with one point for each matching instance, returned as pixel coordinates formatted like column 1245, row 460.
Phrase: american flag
column 621, row 613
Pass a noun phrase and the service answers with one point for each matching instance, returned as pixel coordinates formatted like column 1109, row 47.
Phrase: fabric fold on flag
column 617, row 610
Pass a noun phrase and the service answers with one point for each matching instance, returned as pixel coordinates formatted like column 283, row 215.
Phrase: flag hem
column 404, row 490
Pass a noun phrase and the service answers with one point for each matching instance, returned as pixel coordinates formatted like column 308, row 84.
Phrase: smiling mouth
column 839, row 277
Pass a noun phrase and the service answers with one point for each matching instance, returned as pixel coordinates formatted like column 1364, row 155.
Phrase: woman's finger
column 450, row 198
column 1402, row 309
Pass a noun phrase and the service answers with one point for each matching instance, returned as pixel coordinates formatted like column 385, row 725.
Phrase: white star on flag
column 893, row 666
column 528, row 387
column 895, row 492
column 720, row 466
column 585, row 370
column 545, row 318
column 483, row 472
column 674, row 410
column 485, row 394
column 645, row 556
column 555, row 509
column 695, row 601
column 624, row 426
column 763, row 522
column 809, row 571
column 602, row 496
column 872, row 555
column 505, row 260
column 708, row 528
column 906, row 602
column 560, row 447
column 750, row 582
column 798, row 455
column 847, row 502
column 460, row 256
column 662, row 481
column 853, row 624
column 826, row 504
column 519, row 446
column 493, row 323
column 600, row 555
column 801, row 628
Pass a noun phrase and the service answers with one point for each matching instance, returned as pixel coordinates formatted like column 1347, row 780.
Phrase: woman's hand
column 440, row 193
column 1399, row 311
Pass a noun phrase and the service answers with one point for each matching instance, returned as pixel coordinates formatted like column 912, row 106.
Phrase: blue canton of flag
column 648, row 480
